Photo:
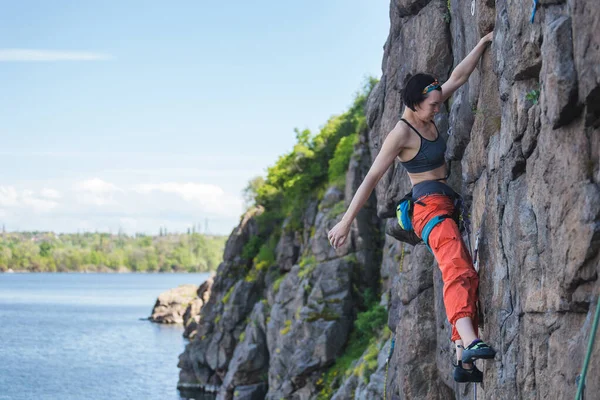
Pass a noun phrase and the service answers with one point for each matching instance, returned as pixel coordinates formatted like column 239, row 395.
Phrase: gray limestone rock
column 309, row 323
column 559, row 90
column 250, row 361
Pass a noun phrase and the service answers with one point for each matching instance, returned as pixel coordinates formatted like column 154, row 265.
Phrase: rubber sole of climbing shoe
column 462, row 375
column 479, row 351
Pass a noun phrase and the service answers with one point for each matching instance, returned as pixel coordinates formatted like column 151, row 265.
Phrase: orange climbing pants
column 460, row 278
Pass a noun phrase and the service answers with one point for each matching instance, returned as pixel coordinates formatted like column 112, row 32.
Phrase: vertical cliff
column 524, row 140
column 524, row 145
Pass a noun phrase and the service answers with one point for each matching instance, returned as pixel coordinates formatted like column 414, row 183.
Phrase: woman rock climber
column 420, row 149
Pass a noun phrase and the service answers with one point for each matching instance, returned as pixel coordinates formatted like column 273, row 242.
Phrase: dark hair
column 412, row 94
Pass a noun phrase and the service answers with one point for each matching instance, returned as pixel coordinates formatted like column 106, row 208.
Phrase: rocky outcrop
column 182, row 305
column 171, row 305
column 288, row 339
column 223, row 318
column 524, row 144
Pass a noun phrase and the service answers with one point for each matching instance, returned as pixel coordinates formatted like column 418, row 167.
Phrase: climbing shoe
column 477, row 350
column 467, row 375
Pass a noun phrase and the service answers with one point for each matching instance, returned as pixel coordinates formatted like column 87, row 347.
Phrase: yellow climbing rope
column 402, row 257
column 387, row 366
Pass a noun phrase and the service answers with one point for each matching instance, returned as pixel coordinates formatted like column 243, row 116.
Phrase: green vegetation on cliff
column 316, row 162
column 366, row 338
column 103, row 252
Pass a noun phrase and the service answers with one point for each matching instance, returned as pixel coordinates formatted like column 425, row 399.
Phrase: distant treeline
column 104, row 252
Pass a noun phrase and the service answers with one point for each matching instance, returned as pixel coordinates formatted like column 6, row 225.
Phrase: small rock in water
column 171, row 305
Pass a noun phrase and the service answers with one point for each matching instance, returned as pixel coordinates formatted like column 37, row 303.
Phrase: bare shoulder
column 396, row 139
column 400, row 133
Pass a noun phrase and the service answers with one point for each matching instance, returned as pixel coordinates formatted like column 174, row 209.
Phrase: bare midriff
column 437, row 174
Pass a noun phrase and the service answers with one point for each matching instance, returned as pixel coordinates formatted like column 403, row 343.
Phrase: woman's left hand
column 487, row 38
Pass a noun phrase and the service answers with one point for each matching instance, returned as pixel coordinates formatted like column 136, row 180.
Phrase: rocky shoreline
column 98, row 271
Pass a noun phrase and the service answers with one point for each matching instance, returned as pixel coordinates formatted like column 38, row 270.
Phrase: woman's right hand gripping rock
column 338, row 234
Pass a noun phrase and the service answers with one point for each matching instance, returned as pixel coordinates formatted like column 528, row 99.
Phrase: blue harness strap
column 432, row 223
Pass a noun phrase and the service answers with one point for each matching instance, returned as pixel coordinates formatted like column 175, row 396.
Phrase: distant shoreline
column 103, row 272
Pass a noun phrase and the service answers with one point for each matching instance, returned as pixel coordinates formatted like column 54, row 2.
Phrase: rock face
column 191, row 317
column 308, row 327
column 206, row 358
column 171, row 305
column 273, row 338
column 524, row 141
column 525, row 130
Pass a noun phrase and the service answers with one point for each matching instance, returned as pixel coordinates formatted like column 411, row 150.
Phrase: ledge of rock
column 171, row 305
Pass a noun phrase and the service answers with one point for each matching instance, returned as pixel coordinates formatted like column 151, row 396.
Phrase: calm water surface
column 79, row 336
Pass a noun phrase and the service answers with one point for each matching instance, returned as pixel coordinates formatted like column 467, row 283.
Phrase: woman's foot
column 467, row 375
column 477, row 350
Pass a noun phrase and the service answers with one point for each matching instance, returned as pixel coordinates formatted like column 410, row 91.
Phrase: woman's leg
column 460, row 278
column 464, row 326
column 461, row 283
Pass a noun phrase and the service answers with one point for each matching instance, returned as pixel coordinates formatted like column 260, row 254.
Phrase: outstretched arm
column 461, row 73
column 391, row 147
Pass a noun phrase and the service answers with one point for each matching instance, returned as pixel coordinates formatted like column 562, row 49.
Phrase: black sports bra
column 430, row 155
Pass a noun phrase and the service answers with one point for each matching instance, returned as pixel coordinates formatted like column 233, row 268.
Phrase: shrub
column 338, row 165
column 533, row 96
column 252, row 247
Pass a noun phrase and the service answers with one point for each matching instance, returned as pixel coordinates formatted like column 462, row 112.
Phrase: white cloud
column 50, row 193
column 96, row 192
column 189, row 191
column 111, row 205
column 38, row 205
column 96, row 185
column 8, row 196
column 50, row 55
column 210, row 198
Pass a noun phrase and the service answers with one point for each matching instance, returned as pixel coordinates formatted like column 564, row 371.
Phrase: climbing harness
column 387, row 365
column 404, row 231
column 460, row 216
column 581, row 377
column 533, row 10
column 432, row 223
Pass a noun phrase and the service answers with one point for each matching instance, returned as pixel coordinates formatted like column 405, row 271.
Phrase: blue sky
column 134, row 115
